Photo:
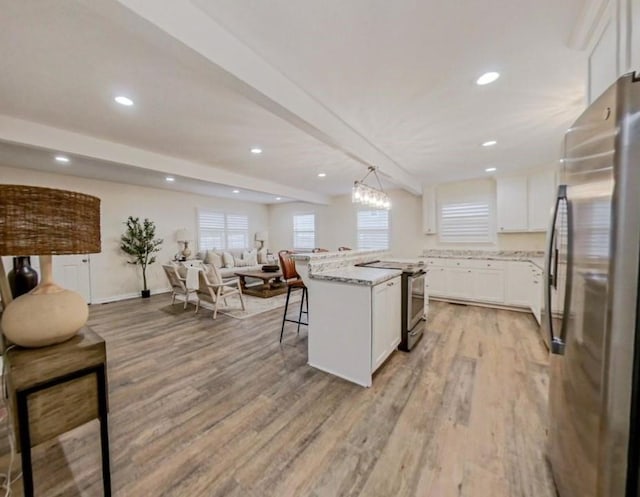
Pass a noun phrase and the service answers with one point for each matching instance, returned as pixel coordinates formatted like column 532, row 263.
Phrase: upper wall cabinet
column 524, row 202
column 511, row 204
column 541, row 194
column 429, row 225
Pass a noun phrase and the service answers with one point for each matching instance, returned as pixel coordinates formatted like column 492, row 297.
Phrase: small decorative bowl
column 270, row 268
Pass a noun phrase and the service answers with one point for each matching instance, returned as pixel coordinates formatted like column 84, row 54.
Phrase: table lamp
column 262, row 237
column 45, row 222
column 184, row 235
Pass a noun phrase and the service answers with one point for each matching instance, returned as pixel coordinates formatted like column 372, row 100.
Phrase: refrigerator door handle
column 557, row 345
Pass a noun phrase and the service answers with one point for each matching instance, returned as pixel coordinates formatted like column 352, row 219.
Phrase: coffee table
column 272, row 283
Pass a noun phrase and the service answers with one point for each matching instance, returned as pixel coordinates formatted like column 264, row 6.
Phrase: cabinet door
column 488, row 285
column 379, row 323
column 437, row 281
column 429, row 210
column 537, row 296
column 393, row 303
column 458, row 285
column 541, row 195
column 511, row 205
column 519, row 281
column 426, row 295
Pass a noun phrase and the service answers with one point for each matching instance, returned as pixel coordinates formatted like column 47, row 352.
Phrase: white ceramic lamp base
column 46, row 315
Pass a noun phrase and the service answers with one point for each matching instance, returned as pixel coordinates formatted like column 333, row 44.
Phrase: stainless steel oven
column 413, row 276
column 415, row 299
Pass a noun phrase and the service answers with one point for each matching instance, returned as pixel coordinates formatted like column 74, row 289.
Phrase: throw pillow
column 242, row 263
column 250, row 256
column 213, row 258
column 228, row 260
column 262, row 256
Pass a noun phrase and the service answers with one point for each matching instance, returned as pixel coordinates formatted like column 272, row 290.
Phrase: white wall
column 111, row 276
column 336, row 223
column 480, row 189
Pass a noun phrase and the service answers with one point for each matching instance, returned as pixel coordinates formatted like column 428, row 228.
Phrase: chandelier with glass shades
column 368, row 195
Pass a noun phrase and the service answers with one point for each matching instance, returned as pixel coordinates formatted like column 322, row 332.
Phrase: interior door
column 72, row 272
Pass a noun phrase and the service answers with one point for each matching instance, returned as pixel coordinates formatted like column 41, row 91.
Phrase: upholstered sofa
column 230, row 261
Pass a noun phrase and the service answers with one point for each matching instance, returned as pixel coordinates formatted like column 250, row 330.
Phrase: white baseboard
column 126, row 296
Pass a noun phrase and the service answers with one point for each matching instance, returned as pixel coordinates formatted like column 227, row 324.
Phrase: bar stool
column 293, row 280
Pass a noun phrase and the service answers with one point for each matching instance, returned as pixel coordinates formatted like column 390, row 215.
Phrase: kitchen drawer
column 436, row 261
column 485, row 264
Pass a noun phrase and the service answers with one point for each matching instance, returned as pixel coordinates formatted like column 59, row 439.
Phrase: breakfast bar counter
column 354, row 312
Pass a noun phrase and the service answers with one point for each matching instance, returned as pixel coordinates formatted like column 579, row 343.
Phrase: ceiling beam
column 264, row 84
column 42, row 136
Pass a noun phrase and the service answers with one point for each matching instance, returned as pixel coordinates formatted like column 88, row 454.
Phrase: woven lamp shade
column 46, row 221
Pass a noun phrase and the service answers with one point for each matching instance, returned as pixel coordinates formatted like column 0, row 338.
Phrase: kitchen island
column 354, row 312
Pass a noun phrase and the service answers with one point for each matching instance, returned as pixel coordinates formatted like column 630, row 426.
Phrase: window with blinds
column 465, row 222
column 220, row 231
column 373, row 229
column 304, row 231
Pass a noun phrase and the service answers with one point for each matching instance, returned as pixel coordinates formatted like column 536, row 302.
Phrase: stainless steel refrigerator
column 591, row 301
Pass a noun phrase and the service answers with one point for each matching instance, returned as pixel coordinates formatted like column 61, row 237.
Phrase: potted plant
column 140, row 243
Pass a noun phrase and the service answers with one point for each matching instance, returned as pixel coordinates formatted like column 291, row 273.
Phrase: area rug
column 256, row 305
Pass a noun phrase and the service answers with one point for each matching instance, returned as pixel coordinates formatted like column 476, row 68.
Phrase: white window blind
column 373, row 229
column 304, row 231
column 211, row 230
column 237, row 231
column 221, row 231
column 465, row 222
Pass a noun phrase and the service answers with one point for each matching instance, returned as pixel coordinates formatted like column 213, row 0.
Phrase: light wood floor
column 203, row 408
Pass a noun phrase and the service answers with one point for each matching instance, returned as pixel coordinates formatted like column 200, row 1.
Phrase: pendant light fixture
column 369, row 195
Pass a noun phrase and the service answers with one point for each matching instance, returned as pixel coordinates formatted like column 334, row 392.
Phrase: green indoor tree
column 140, row 243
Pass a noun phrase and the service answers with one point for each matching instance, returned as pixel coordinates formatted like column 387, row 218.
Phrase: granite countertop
column 535, row 257
column 357, row 275
column 319, row 256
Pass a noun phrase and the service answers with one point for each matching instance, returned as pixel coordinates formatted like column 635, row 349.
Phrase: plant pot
column 146, row 294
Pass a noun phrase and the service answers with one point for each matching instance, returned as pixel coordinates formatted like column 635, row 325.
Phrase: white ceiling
column 38, row 159
column 398, row 75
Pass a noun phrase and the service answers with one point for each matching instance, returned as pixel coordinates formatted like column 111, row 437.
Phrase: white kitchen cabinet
column 426, row 294
column 386, row 320
column 541, row 195
column 519, row 287
column 488, row 285
column 537, row 297
column 458, row 283
column 437, row 277
column 512, row 283
column 429, row 217
column 511, row 204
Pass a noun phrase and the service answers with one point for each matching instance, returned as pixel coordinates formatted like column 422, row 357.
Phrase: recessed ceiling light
column 278, row 198
column 170, row 179
column 321, row 175
column 490, row 169
column 490, row 143
column 122, row 100
column 236, row 191
column 256, row 150
column 62, row 158
column 488, row 77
